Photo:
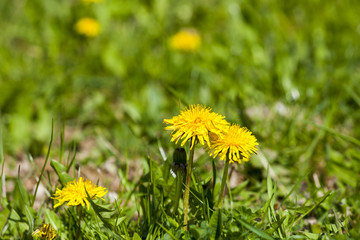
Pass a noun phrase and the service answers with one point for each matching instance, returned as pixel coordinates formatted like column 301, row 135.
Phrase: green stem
column 187, row 187
column 79, row 210
column 223, row 183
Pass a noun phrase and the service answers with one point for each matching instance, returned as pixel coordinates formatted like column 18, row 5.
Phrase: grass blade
column 98, row 209
column 62, row 135
column 4, row 215
column 72, row 159
column 60, row 171
column 339, row 134
column 296, row 184
column 312, row 207
column 254, row 229
column 215, row 224
column 167, row 231
column 46, row 160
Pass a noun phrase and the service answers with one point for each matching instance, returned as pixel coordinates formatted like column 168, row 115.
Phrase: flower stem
column 79, row 210
column 223, row 183
column 187, row 187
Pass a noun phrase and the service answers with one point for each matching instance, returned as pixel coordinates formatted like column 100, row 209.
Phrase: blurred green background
column 276, row 67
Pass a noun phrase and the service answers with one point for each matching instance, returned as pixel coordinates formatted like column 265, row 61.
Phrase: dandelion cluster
column 74, row 193
column 199, row 124
column 213, row 131
column 187, row 40
column 88, row 27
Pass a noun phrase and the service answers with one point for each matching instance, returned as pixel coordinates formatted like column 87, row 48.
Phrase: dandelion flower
column 187, row 40
column 237, row 142
column 88, row 27
column 45, row 232
column 196, row 122
column 74, row 193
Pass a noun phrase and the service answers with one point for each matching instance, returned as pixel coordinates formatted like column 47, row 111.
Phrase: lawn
column 89, row 91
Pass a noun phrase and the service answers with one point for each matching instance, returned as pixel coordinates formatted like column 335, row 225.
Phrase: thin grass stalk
column 187, row 187
column 62, row 136
column 72, row 159
column 46, row 160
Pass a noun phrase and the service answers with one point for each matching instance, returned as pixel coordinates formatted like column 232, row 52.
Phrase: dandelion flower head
column 45, row 232
column 237, row 142
column 88, row 27
column 196, row 122
column 187, row 40
column 74, row 193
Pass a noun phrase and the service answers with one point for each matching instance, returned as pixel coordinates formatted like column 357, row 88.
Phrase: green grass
column 287, row 70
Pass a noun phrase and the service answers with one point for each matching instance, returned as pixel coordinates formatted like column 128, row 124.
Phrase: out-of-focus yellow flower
column 187, row 40
column 74, row 193
column 196, row 122
column 45, row 232
column 237, row 142
column 91, row 1
column 88, row 26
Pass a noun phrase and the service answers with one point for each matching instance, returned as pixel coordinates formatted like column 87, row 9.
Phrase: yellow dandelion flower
column 45, row 232
column 88, row 27
column 187, row 40
column 74, row 193
column 196, row 122
column 237, row 142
